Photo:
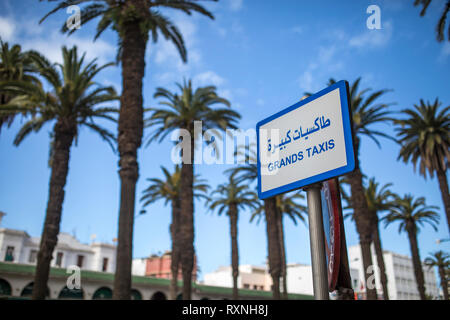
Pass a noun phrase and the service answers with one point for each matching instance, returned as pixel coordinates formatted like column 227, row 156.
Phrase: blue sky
column 262, row 56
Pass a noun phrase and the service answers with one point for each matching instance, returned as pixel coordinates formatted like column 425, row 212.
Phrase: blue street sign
column 308, row 142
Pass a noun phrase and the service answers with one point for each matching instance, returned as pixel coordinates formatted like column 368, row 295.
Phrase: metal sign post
column 317, row 241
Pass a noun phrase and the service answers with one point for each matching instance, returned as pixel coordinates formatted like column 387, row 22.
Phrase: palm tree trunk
column 364, row 222
column 233, row 214
column 60, row 168
column 363, row 226
column 282, row 254
column 443, row 185
column 187, row 221
column 175, row 256
column 444, row 282
column 129, row 140
column 380, row 261
column 273, row 244
column 417, row 264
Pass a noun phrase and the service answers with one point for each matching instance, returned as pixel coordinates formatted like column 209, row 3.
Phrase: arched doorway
column 27, row 292
column 135, row 295
column 73, row 294
column 5, row 288
column 204, row 298
column 102, row 293
column 180, row 296
column 158, row 295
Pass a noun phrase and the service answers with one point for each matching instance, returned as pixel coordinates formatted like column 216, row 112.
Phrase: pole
column 317, row 240
column 344, row 281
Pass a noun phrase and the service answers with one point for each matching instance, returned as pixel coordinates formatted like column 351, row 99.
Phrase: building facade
column 250, row 277
column 158, row 266
column 399, row 272
column 299, row 278
column 17, row 246
column 16, row 282
column 96, row 265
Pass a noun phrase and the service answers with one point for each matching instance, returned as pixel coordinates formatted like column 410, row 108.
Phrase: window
column 246, row 286
column 59, row 257
column 105, row 264
column 80, row 260
column 9, row 256
column 33, row 256
column 255, row 287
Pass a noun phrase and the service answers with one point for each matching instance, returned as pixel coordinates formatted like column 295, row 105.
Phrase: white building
column 399, row 272
column 17, row 246
column 299, row 278
column 250, row 277
column 138, row 266
column 18, row 255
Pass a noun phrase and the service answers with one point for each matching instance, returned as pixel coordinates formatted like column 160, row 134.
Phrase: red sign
column 332, row 222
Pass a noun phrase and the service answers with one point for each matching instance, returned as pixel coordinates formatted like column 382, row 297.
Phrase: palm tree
column 232, row 197
column 72, row 103
column 14, row 65
column 440, row 27
column 135, row 21
column 365, row 113
column 286, row 205
column 168, row 189
column 441, row 260
column 248, row 172
column 180, row 113
column 424, row 136
column 412, row 214
column 379, row 199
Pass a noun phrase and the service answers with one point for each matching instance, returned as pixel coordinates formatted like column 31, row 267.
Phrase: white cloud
column 297, row 29
column 116, row 85
column 373, row 38
column 226, row 93
column 166, row 54
column 34, row 36
column 209, row 78
column 445, row 52
column 50, row 45
column 165, row 51
column 7, row 28
column 235, row 5
column 306, row 81
column 236, row 27
column 165, row 78
column 222, row 31
column 241, row 92
column 325, row 64
column 326, row 54
column 446, row 49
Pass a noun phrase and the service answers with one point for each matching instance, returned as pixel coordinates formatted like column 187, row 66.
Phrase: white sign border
column 348, row 138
